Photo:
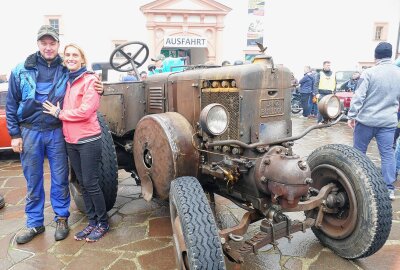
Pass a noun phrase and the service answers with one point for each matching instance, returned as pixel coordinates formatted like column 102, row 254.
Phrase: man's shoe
column 28, row 234
column 100, row 230
column 391, row 194
column 2, row 202
column 62, row 229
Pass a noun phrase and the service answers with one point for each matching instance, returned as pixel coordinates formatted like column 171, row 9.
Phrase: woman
column 82, row 133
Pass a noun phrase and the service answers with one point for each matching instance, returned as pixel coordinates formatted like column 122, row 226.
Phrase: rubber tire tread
column 374, row 206
column 108, row 178
column 198, row 225
column 109, row 165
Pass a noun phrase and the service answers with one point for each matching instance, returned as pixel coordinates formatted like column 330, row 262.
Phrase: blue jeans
column 384, row 138
column 37, row 145
column 305, row 103
column 397, row 155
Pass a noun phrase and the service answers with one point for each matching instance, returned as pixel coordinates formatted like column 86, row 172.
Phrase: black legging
column 85, row 160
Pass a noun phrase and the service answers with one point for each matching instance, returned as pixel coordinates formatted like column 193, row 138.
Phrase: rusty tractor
column 228, row 131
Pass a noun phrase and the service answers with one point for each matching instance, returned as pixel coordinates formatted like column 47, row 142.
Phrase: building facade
column 296, row 33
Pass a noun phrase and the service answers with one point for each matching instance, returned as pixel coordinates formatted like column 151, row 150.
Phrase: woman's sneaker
column 84, row 233
column 98, row 232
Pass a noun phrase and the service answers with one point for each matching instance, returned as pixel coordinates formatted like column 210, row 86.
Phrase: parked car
column 345, row 100
column 5, row 140
column 342, row 78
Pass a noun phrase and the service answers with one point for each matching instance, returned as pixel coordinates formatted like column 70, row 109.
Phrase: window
column 54, row 21
column 380, row 31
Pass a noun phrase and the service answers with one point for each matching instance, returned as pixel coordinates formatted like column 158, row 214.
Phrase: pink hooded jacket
column 79, row 115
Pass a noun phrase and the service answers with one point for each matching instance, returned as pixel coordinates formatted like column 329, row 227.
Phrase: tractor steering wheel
column 129, row 62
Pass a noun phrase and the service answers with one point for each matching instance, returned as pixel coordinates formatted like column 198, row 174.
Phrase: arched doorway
column 192, row 29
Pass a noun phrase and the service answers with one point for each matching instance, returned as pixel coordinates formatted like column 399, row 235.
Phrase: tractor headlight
column 214, row 119
column 329, row 107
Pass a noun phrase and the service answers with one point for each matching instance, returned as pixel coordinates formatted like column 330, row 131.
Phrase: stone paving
column 140, row 235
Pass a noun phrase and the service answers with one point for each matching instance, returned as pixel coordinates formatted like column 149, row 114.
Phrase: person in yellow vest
column 325, row 84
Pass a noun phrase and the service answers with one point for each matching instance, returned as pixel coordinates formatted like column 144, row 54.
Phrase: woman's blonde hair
column 83, row 55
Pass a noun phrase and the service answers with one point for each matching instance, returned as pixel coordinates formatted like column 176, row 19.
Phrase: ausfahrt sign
column 185, row 41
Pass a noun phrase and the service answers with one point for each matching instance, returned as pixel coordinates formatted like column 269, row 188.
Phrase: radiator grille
column 156, row 100
column 230, row 100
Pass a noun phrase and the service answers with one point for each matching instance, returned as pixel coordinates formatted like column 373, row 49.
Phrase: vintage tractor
column 227, row 131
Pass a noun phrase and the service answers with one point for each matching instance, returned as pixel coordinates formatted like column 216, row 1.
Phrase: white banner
column 185, row 42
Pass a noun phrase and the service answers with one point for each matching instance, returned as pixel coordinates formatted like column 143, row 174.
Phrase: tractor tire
column 108, row 178
column 362, row 225
column 196, row 240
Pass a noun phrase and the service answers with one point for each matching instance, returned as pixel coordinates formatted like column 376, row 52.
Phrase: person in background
column 325, row 84
column 169, row 64
column 130, row 77
column 373, row 111
column 306, row 91
column 351, row 85
column 82, row 133
column 35, row 135
column 225, row 63
column 143, row 75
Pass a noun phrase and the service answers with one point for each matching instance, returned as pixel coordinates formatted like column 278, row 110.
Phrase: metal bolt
column 302, row 165
column 308, row 181
column 226, row 148
column 267, row 161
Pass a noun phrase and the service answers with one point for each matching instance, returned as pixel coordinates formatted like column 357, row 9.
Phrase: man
column 352, row 83
column 143, row 75
column 131, row 76
column 325, row 84
column 35, row 134
column 169, row 64
column 373, row 110
column 306, row 90
column 158, row 62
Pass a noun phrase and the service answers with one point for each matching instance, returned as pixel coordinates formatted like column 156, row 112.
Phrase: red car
column 5, row 140
column 342, row 78
column 345, row 99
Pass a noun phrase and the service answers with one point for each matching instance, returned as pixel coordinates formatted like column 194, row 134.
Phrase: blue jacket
column 306, row 84
column 30, row 84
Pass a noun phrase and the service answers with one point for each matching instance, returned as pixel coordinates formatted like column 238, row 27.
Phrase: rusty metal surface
column 342, row 222
column 283, row 176
column 123, row 105
column 163, row 151
column 242, row 227
column 313, row 202
column 246, row 91
column 184, row 95
column 262, row 238
column 230, row 100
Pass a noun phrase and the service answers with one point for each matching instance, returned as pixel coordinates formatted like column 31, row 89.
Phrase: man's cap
column 383, row 50
column 158, row 58
column 47, row 30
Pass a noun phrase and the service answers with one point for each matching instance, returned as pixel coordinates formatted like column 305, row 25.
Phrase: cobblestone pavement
column 140, row 236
